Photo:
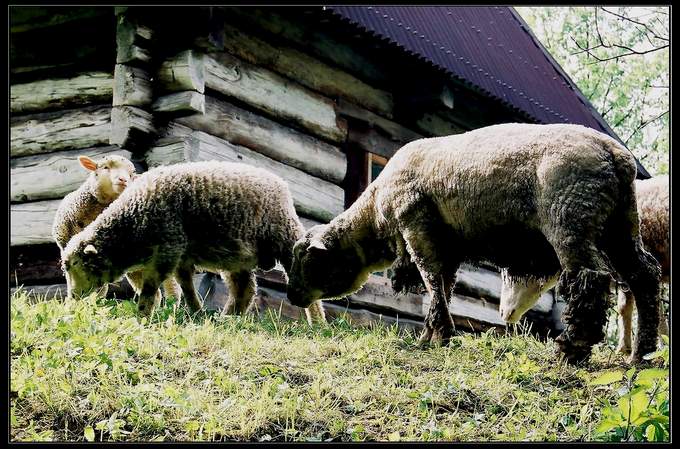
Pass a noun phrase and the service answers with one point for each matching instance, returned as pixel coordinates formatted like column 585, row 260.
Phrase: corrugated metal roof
column 488, row 48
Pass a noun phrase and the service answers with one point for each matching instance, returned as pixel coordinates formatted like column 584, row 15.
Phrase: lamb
column 565, row 191
column 108, row 178
column 216, row 215
column 519, row 294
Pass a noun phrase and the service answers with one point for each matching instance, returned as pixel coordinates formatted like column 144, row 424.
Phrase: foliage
column 630, row 90
column 92, row 370
column 641, row 411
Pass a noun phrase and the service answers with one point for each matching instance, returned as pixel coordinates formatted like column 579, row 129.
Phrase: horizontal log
column 44, row 95
column 270, row 138
column 303, row 68
column 319, row 43
column 187, row 102
column 60, row 130
column 394, row 131
column 52, row 175
column 435, row 125
column 312, row 196
column 274, row 95
column 31, row 223
column 131, row 86
column 131, row 127
column 372, row 140
column 184, row 71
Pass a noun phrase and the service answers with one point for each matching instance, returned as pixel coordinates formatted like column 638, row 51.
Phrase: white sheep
column 109, row 176
column 215, row 215
column 534, row 198
column 519, row 294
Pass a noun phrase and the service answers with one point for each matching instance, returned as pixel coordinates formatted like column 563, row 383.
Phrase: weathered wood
column 372, row 140
column 131, row 87
column 131, row 127
column 31, row 223
column 187, row 102
column 132, row 41
column 309, row 222
column 312, row 196
column 184, row 71
column 435, row 125
column 273, row 94
column 303, row 68
column 378, row 293
column 35, row 264
column 270, row 138
column 320, row 43
column 29, row 18
column 394, row 131
column 43, row 95
column 52, row 175
column 357, row 178
column 60, row 130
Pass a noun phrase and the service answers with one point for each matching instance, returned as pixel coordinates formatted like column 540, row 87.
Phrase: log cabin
column 321, row 96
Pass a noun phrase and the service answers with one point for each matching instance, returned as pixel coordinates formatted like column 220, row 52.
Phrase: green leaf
column 394, row 436
column 607, row 425
column 650, row 374
column 607, row 378
column 89, row 433
column 632, row 405
column 630, row 372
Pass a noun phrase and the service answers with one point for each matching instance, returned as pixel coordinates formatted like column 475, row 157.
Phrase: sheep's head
column 518, row 295
column 82, row 266
column 112, row 174
column 324, row 267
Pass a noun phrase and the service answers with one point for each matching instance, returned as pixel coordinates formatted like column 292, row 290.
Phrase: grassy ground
column 93, row 370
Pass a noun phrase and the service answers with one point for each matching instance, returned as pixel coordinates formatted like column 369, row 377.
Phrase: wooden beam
column 270, row 138
column 180, row 103
column 31, row 223
column 131, row 127
column 52, row 175
column 182, row 72
column 43, row 95
column 371, row 140
column 436, row 125
column 132, row 40
column 312, row 196
column 301, row 67
column 60, row 130
column 394, row 131
column 319, row 43
column 274, row 95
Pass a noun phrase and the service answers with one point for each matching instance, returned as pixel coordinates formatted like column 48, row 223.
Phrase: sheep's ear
column 87, row 163
column 89, row 249
column 317, row 244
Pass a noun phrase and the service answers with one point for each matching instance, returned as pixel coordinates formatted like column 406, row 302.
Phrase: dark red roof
column 488, row 47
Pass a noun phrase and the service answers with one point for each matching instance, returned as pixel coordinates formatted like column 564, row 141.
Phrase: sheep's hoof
column 623, row 349
column 574, row 354
column 435, row 337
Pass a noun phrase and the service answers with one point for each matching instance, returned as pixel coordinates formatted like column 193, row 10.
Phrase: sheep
column 491, row 194
column 215, row 215
column 108, row 178
column 519, row 294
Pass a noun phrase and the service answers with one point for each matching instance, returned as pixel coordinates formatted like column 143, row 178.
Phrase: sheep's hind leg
column 171, row 288
column 242, row 288
column 625, row 307
column 184, row 277
column 150, row 295
column 438, row 274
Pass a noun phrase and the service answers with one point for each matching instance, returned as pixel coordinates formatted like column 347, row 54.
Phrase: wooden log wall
column 258, row 88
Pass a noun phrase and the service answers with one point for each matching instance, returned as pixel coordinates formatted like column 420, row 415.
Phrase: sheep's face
column 518, row 296
column 112, row 175
column 81, row 277
column 323, row 268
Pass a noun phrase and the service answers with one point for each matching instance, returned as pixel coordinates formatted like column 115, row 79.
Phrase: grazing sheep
column 110, row 176
column 216, row 215
column 519, row 294
column 565, row 192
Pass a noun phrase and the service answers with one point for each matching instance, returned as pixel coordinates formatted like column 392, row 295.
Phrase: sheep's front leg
column 242, row 288
column 184, row 276
column 315, row 313
column 438, row 277
column 150, row 296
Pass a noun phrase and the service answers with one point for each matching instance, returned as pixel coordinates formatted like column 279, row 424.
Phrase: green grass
column 92, row 369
